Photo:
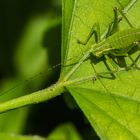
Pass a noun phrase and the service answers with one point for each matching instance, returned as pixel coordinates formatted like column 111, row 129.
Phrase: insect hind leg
column 134, row 61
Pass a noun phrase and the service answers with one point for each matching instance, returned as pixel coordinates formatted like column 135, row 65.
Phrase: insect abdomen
column 124, row 39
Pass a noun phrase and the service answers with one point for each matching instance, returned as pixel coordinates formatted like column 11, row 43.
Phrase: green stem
column 36, row 97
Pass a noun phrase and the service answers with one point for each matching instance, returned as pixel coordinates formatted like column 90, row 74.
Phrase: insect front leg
column 95, row 30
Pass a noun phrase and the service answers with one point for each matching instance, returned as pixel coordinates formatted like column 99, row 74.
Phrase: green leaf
column 64, row 132
column 111, row 105
column 112, row 108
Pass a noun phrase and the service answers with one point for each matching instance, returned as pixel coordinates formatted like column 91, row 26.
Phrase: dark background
column 44, row 117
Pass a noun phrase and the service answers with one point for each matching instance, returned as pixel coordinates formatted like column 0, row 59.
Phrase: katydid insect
column 118, row 43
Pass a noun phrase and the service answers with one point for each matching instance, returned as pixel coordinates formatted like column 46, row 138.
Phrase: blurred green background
column 30, row 42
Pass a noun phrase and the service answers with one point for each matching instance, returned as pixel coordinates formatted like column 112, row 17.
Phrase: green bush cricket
column 117, row 43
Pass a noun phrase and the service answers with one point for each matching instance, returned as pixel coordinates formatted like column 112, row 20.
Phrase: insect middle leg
column 113, row 27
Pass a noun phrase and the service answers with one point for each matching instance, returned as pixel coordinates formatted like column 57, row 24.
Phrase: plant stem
column 33, row 98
